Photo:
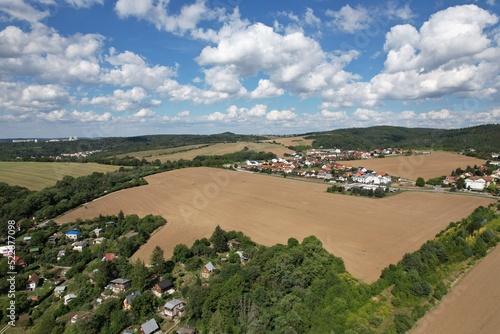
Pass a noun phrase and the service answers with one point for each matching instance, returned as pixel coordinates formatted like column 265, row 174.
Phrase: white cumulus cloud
column 157, row 13
column 350, row 19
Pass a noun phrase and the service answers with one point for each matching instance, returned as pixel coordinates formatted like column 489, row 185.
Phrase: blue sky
column 95, row 68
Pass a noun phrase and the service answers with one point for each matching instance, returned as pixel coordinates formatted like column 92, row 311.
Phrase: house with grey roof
column 150, row 327
column 207, row 270
column 173, row 308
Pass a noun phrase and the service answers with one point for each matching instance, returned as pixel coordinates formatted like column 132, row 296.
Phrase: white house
column 475, row 183
column 69, row 297
column 97, row 231
column 59, row 290
column 80, row 245
column 252, row 163
column 33, row 282
column 6, row 250
column 173, row 308
column 324, row 175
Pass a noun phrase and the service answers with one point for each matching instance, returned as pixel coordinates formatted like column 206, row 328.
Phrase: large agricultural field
column 471, row 306
column 158, row 152
column 369, row 234
column 292, row 141
column 435, row 164
column 218, row 149
column 39, row 175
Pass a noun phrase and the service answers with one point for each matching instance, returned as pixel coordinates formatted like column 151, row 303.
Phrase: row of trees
column 378, row 192
column 66, row 194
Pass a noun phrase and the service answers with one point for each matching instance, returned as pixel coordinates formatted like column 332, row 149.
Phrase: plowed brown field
column 291, row 141
column 472, row 306
column 217, row 149
column 435, row 164
column 367, row 233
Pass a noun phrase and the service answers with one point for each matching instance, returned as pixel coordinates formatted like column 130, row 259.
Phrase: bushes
column 378, row 192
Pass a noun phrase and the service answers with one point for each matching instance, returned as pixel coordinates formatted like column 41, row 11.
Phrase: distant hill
column 481, row 138
column 114, row 145
column 484, row 138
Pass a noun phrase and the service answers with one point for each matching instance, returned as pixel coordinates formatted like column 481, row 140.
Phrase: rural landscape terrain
column 249, row 167
column 394, row 235
column 368, row 235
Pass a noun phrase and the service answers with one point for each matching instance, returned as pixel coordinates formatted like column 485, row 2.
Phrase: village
column 326, row 165
column 345, row 167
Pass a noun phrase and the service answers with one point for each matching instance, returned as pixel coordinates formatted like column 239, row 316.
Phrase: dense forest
column 482, row 138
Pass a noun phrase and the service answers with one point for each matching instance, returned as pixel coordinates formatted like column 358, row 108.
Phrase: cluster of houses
column 80, row 154
column 172, row 309
column 471, row 181
column 326, row 164
column 337, row 154
column 78, row 245
column 327, row 171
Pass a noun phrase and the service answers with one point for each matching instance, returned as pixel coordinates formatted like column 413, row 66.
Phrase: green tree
column 140, row 276
column 379, row 192
column 181, row 253
column 90, row 324
column 420, row 182
column 106, row 271
column 292, row 242
column 157, row 261
column 219, row 240
column 144, row 305
column 492, row 188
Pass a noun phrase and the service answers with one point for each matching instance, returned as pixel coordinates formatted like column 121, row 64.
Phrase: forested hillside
column 483, row 138
column 301, row 288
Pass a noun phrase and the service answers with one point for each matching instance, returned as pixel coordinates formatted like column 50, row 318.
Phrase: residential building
column 97, row 231
column 80, row 245
column 98, row 241
column 149, row 327
column 162, row 287
column 187, row 330
column 127, row 302
column 69, row 297
column 207, row 270
column 109, row 257
column 120, row 285
column 475, row 183
column 173, row 308
column 53, row 239
column 73, row 234
column 33, row 282
column 59, row 290
column 6, row 250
